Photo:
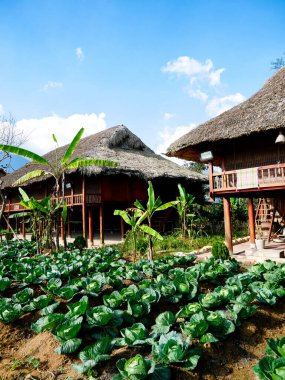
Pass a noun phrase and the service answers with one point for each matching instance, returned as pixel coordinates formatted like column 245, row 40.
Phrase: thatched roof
column 121, row 145
column 264, row 111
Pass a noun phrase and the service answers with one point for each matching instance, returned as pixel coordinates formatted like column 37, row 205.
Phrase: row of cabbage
column 123, row 317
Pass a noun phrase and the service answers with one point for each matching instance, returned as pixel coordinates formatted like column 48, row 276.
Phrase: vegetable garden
column 133, row 320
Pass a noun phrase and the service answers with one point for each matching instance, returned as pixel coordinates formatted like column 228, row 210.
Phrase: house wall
column 250, row 151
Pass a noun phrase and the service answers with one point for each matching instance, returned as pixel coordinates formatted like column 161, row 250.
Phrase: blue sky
column 160, row 67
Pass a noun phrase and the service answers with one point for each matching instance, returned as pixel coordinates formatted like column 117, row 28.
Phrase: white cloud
column 198, row 94
column 215, row 77
column 188, row 66
column 52, row 85
column 167, row 116
column 1, row 110
column 194, row 70
column 218, row 105
column 79, row 54
column 169, row 135
column 39, row 131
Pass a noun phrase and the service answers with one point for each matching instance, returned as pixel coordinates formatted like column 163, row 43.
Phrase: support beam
column 228, row 224
column 62, row 228
column 122, row 229
column 211, row 187
column 23, row 228
column 251, row 222
column 68, row 224
column 90, row 224
column 101, row 220
column 84, row 208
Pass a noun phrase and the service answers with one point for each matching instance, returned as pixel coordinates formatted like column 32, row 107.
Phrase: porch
column 270, row 177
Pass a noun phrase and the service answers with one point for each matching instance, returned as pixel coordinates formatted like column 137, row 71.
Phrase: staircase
column 266, row 214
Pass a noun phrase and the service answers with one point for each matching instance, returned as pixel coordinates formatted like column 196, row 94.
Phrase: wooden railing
column 253, row 178
column 71, row 200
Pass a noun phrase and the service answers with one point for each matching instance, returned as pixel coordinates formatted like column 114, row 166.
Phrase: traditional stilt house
column 247, row 144
column 94, row 193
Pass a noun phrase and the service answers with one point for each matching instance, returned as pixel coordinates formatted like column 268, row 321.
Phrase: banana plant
column 56, row 168
column 153, row 205
column 133, row 217
column 41, row 215
column 183, row 206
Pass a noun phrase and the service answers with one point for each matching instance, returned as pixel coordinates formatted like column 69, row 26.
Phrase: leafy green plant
column 80, row 242
column 269, row 368
column 171, row 348
column 136, row 335
column 140, row 368
column 93, row 354
column 153, row 205
column 220, row 251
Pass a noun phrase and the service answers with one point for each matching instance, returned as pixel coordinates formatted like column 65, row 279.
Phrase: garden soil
column 26, row 356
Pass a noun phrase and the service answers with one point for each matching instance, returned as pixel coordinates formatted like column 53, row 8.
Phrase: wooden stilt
column 68, row 224
column 90, row 224
column 62, row 228
column 251, row 222
column 122, row 229
column 23, row 228
column 84, row 208
column 101, row 219
column 228, row 224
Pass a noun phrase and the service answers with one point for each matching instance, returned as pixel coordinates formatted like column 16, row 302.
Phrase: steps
column 266, row 215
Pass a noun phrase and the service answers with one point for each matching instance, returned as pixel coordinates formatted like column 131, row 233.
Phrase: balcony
column 71, row 200
column 264, row 177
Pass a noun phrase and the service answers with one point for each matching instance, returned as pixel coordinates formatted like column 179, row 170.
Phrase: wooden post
column 122, row 229
column 211, row 185
column 62, row 228
column 7, row 222
column 251, row 222
column 68, row 224
column 84, row 207
column 228, row 224
column 90, row 224
column 23, row 228
column 101, row 219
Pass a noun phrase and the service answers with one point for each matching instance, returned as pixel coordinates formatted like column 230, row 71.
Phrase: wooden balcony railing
column 252, row 178
column 71, row 200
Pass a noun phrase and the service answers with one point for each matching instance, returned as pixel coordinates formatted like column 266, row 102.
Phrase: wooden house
column 92, row 194
column 247, row 144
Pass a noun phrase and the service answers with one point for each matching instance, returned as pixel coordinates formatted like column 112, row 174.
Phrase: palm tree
column 56, row 168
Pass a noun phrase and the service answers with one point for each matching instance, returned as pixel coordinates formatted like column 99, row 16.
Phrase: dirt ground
column 24, row 355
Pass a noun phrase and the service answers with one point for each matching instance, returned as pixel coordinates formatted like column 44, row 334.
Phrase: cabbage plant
column 171, row 348
column 140, row 368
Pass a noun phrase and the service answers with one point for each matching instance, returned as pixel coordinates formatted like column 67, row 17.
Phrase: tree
column 56, row 168
column 196, row 167
column 278, row 63
column 10, row 134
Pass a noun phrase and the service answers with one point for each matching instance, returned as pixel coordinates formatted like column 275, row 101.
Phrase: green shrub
column 80, row 242
column 220, row 251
